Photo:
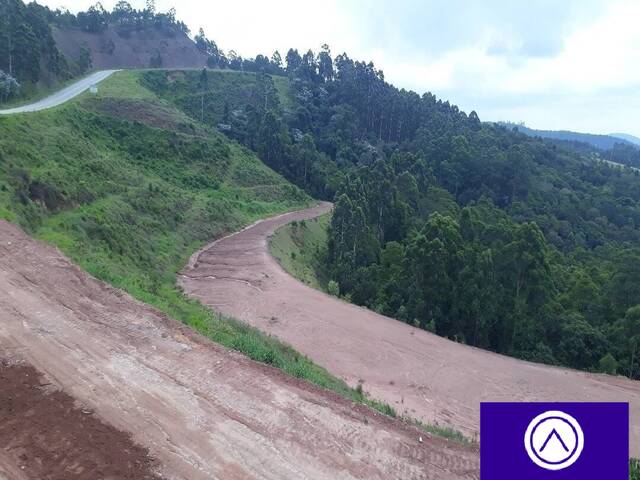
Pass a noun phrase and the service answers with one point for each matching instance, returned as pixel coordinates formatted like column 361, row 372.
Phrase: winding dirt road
column 91, row 380
column 426, row 376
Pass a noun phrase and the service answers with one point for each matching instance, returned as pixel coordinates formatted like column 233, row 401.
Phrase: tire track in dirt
column 425, row 376
column 202, row 411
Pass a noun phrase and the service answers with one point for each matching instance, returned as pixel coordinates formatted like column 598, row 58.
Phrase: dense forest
column 27, row 49
column 601, row 142
column 123, row 16
column 623, row 153
column 611, row 148
column 471, row 230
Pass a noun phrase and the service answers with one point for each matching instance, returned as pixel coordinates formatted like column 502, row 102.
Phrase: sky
column 569, row 64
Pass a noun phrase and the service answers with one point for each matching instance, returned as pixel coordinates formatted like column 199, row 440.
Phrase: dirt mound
column 416, row 372
column 202, row 411
column 46, row 436
column 111, row 49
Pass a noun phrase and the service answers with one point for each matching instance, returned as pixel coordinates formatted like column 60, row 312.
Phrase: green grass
column 299, row 248
column 123, row 85
column 184, row 90
column 442, row 431
column 284, row 93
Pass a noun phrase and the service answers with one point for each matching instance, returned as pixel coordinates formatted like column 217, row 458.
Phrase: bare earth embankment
column 428, row 377
column 96, row 385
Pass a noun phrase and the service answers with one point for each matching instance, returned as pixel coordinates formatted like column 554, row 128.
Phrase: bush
column 634, row 469
column 9, row 86
column 333, row 288
column 608, row 364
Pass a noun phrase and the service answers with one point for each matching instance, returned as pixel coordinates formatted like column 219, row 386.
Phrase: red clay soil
column 418, row 373
column 202, row 411
column 44, row 435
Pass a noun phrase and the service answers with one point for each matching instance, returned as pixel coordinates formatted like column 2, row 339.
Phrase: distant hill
column 602, row 142
column 627, row 137
column 148, row 47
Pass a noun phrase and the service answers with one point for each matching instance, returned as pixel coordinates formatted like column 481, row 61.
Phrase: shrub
column 608, row 364
column 333, row 288
column 634, row 469
column 9, row 86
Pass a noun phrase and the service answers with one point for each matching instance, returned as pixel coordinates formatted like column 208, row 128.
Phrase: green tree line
column 27, row 47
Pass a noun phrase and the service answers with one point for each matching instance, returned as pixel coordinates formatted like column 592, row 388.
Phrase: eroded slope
column 202, row 411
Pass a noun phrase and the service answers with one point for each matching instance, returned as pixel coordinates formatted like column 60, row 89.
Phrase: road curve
column 203, row 412
column 63, row 95
column 418, row 373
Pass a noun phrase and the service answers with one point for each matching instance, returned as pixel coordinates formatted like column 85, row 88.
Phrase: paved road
column 63, row 95
column 418, row 373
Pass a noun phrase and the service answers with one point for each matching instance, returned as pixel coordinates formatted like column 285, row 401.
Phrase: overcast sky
column 561, row 64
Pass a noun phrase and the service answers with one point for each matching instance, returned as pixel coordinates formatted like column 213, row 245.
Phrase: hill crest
column 149, row 47
column 602, row 142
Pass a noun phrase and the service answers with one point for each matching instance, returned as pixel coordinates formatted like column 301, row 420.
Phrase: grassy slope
column 224, row 87
column 129, row 187
column 298, row 247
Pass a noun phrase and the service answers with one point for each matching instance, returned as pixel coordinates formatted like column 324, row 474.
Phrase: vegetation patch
column 149, row 113
column 300, row 248
column 634, row 469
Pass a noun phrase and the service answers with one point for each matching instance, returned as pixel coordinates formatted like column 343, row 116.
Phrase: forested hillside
column 623, row 153
column 602, row 142
column 481, row 234
column 627, row 137
column 28, row 54
column 617, row 148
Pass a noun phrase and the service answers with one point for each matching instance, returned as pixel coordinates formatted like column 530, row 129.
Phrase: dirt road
column 419, row 373
column 201, row 411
